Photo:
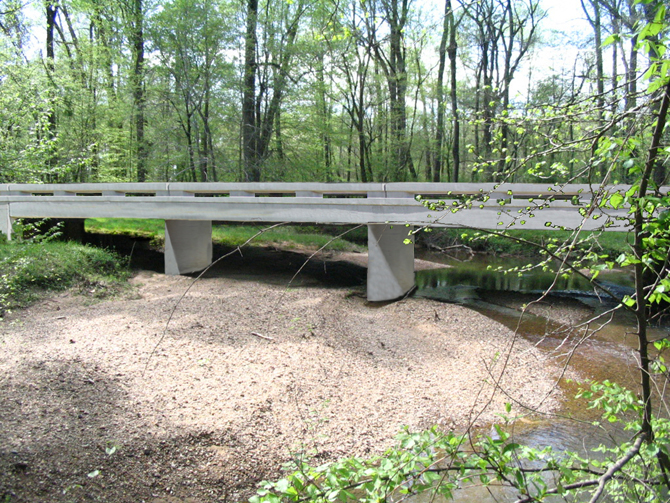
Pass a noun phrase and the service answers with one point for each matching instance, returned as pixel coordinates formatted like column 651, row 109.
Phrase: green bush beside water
column 30, row 268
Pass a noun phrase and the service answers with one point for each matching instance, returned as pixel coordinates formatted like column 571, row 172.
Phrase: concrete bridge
column 390, row 210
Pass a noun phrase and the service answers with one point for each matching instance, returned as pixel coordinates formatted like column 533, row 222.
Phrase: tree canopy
column 276, row 90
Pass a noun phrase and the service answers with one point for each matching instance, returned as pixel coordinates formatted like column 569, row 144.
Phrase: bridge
column 391, row 212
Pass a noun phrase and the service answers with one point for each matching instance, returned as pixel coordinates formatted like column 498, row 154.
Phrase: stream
column 608, row 354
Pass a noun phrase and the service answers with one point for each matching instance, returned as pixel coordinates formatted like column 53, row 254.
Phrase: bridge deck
column 312, row 203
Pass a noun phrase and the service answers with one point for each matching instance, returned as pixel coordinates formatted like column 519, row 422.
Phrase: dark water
column 480, row 273
column 608, row 353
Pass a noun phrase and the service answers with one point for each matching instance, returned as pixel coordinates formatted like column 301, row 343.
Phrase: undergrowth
column 29, row 269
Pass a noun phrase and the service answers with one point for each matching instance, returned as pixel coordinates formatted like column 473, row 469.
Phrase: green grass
column 287, row 236
column 610, row 243
column 29, row 269
column 127, row 226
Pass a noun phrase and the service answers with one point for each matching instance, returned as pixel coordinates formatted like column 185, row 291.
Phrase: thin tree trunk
column 324, row 112
column 137, row 42
column 51, row 161
column 456, row 133
column 439, row 95
column 249, row 118
column 595, row 21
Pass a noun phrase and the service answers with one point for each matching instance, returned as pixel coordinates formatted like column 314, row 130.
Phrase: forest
column 327, row 90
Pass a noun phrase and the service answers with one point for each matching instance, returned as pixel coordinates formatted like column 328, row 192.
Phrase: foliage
column 437, row 463
column 32, row 267
column 336, row 91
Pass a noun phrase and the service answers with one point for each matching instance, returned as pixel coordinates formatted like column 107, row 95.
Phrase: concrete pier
column 5, row 221
column 390, row 261
column 188, row 246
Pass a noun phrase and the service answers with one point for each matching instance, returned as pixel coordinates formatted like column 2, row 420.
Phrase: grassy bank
column 606, row 243
column 30, row 268
column 287, row 236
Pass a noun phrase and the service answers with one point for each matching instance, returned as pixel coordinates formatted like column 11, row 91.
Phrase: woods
column 270, row 90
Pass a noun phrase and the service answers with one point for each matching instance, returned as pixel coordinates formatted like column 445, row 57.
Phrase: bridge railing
column 488, row 194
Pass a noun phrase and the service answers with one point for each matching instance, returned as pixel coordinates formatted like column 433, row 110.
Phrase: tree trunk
column 51, row 160
column 139, row 98
column 250, row 135
column 439, row 95
column 456, row 133
column 324, row 111
column 595, row 21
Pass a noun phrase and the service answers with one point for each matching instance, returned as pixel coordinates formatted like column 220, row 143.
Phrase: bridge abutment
column 188, row 246
column 390, row 262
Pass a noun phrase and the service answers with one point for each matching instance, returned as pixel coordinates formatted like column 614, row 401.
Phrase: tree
column 265, row 78
column 505, row 30
column 393, row 63
column 134, row 14
column 448, row 45
column 188, row 35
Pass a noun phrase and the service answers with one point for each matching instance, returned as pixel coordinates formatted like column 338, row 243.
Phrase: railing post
column 390, row 261
column 5, row 221
column 188, row 246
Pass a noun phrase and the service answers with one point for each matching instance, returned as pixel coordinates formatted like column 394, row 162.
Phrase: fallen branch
column 262, row 336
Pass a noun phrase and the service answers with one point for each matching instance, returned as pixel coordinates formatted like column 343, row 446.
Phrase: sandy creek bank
column 248, row 373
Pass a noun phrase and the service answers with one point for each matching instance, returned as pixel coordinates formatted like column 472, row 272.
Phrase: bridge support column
column 390, row 262
column 5, row 221
column 188, row 246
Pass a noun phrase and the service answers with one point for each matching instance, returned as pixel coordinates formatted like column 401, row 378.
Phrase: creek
column 606, row 354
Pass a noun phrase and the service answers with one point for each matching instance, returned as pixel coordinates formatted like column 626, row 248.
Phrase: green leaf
column 616, row 200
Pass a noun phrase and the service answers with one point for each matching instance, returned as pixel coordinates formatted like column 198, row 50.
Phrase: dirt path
column 248, row 375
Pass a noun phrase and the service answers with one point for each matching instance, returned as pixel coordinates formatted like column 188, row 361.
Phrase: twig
column 262, row 336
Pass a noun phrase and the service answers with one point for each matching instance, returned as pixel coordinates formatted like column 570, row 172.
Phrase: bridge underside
column 188, row 248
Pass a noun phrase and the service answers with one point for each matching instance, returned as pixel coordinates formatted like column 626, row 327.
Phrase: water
column 609, row 354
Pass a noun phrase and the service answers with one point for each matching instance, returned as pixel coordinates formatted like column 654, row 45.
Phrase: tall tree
column 51, row 9
column 393, row 62
column 266, row 76
column 187, row 35
column 134, row 13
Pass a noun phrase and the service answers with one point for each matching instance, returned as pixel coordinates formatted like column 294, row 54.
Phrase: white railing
column 279, row 189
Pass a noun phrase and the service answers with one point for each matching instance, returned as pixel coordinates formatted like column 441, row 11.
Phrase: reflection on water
column 480, row 273
column 608, row 354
